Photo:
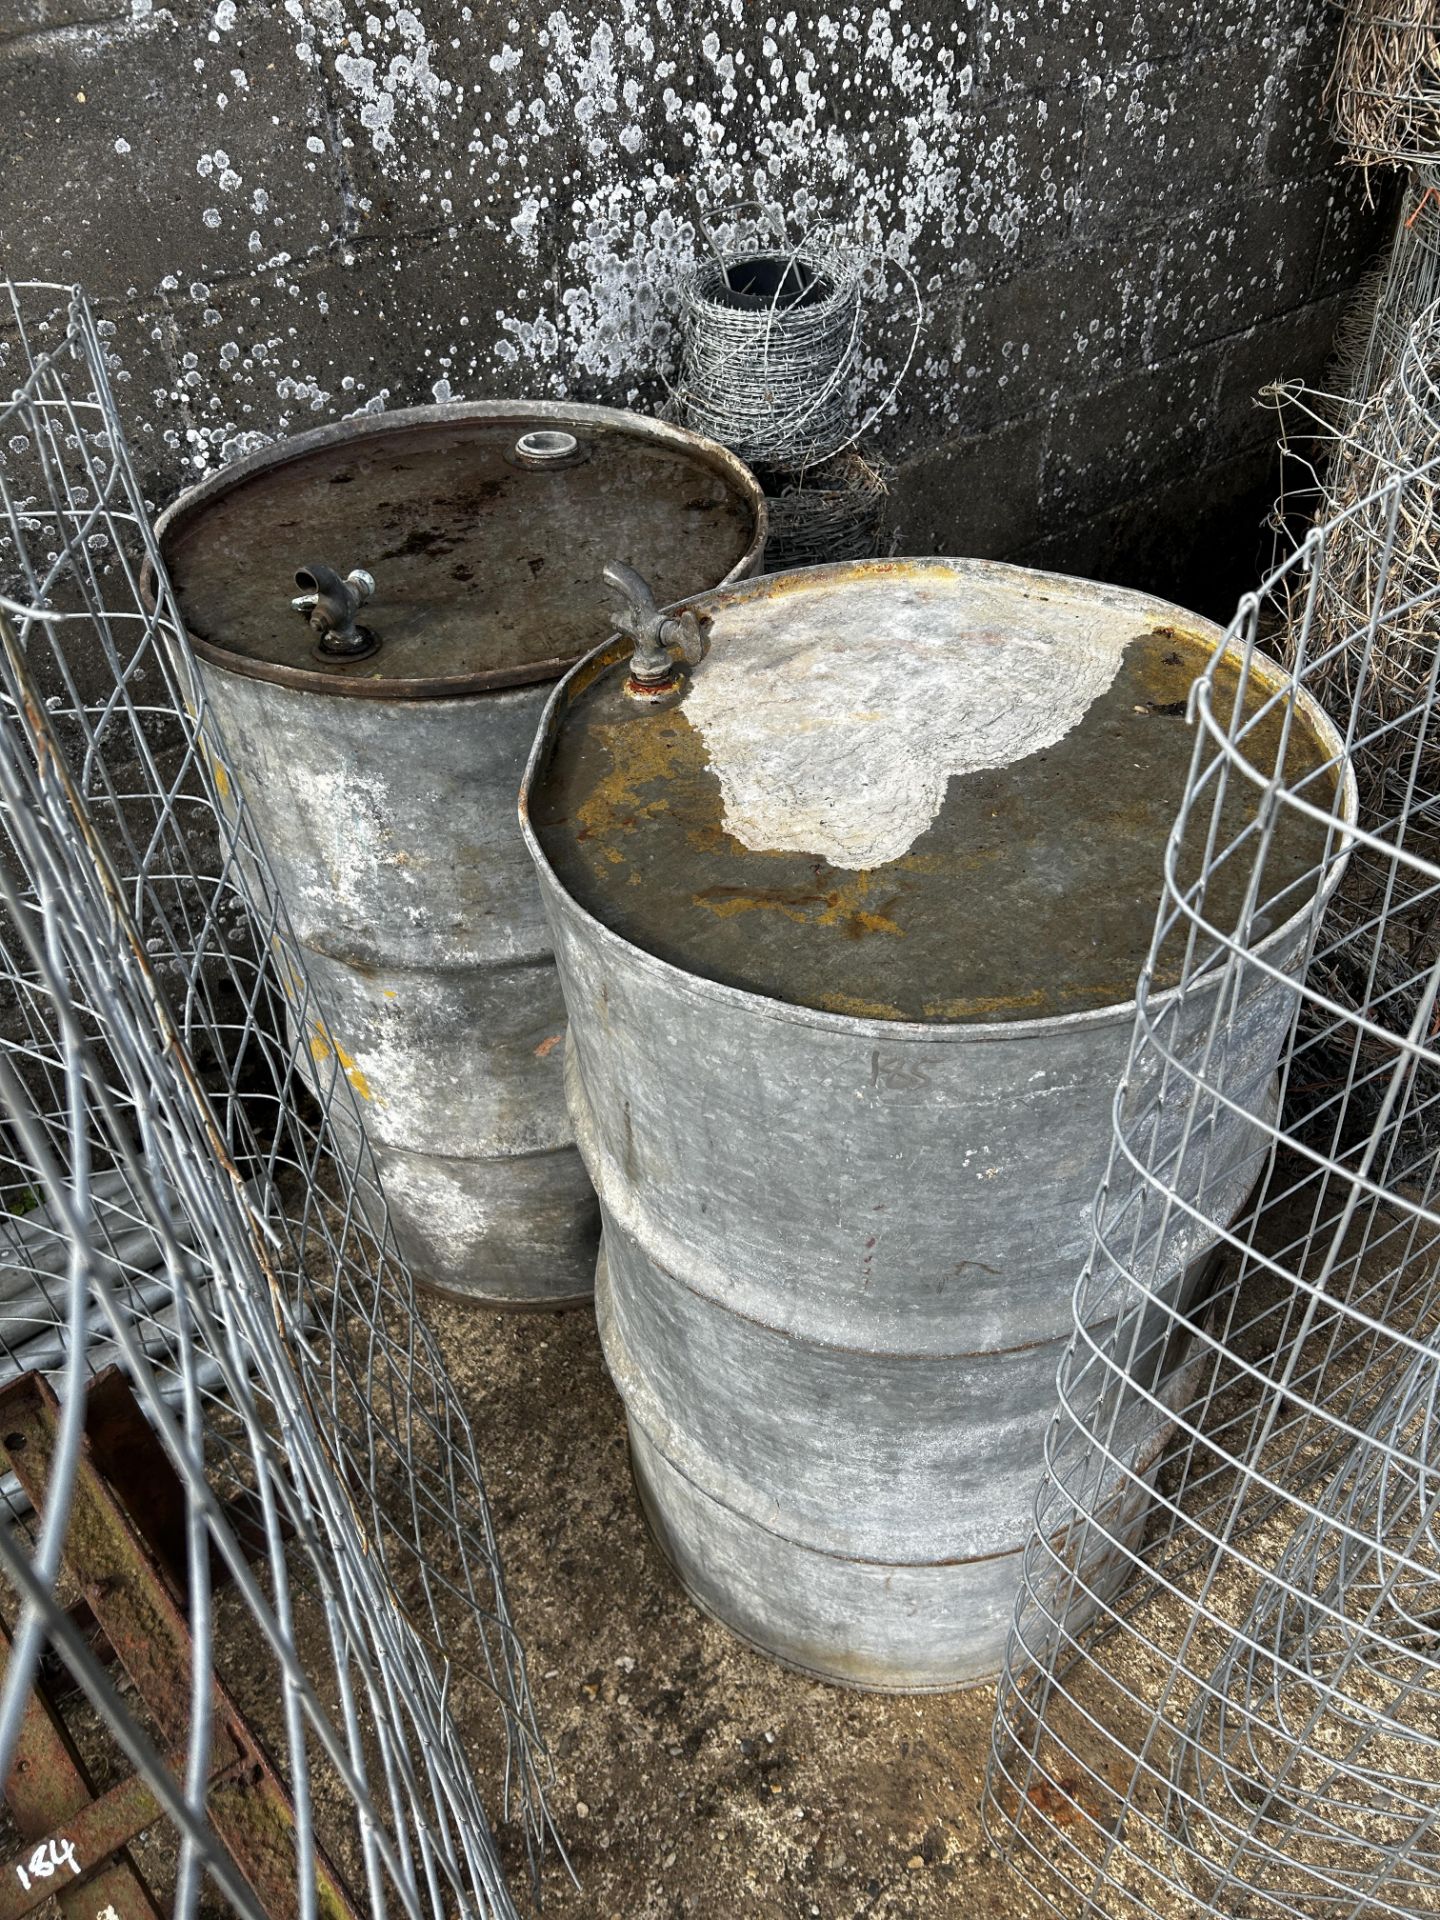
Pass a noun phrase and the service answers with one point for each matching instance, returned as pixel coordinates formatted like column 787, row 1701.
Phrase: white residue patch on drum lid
column 835, row 719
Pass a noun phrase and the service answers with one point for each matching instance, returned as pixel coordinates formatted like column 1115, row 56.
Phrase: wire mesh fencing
column 1222, row 1690
column 1394, row 434
column 1324, row 433
column 253, row 1582
column 1407, row 284
column 1382, row 692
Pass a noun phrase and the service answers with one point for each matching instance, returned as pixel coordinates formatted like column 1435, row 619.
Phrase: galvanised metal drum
column 850, row 874
column 378, row 722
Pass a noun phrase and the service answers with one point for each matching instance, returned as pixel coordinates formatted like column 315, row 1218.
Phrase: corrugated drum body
column 390, row 824
column 838, row 1266
column 411, row 893
column 838, row 1279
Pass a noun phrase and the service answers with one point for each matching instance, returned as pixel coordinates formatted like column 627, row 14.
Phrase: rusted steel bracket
column 138, row 1610
column 50, row 1794
column 137, row 1469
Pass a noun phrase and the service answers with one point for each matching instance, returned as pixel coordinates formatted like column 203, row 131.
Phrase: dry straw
column 1385, row 87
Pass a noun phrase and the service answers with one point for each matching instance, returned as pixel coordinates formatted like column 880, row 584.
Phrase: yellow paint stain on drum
column 292, row 981
column 854, row 1008
column 323, row 1046
column 991, row 1006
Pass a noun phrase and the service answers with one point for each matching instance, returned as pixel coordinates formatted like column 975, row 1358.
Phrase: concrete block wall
column 1125, row 221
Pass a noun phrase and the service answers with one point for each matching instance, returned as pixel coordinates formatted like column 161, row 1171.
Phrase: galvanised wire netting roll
column 1395, row 433
column 1370, row 557
column 1222, row 1690
column 189, row 1216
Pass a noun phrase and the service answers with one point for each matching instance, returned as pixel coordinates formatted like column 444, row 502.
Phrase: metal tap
column 331, row 604
column 665, row 646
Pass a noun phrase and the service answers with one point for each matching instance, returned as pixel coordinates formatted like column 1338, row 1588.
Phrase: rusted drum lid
column 485, row 528
column 912, row 790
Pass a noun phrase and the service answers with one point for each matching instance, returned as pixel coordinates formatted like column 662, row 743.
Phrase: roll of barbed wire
column 770, row 364
column 824, row 513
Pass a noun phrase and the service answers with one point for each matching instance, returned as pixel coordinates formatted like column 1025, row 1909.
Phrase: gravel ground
column 695, row 1777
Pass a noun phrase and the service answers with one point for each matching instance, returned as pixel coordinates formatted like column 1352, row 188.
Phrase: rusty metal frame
column 137, row 1605
column 49, row 1792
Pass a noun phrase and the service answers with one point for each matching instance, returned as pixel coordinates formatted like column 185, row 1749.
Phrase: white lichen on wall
column 390, row 204
column 588, row 153
column 384, row 65
column 606, row 140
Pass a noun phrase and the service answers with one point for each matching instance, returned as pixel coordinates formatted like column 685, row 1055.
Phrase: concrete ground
column 695, row 1778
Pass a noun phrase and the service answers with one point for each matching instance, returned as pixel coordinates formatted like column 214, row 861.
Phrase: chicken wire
column 1395, row 433
column 1222, row 1689
column 185, row 1192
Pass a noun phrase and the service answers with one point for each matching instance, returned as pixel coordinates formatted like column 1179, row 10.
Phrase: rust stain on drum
column 1031, row 894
